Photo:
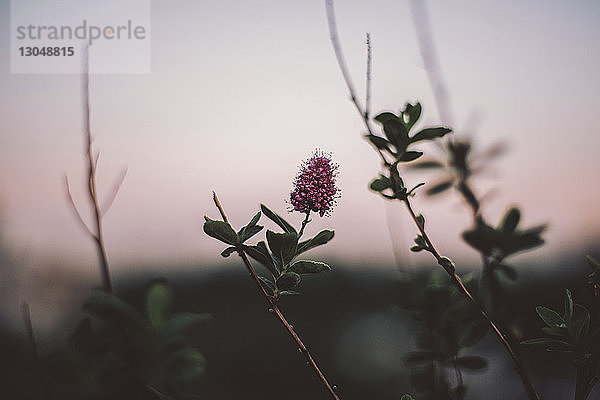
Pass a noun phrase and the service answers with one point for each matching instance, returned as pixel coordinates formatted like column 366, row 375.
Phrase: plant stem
column 451, row 270
column 273, row 305
column 93, row 195
column 36, row 355
column 304, row 223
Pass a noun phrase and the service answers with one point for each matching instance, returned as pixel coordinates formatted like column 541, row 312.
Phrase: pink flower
column 314, row 186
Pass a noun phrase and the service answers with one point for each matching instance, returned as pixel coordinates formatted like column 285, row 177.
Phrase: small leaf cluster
column 504, row 240
column 278, row 255
column 125, row 353
column 576, row 332
column 462, row 163
column 397, row 145
column 448, row 324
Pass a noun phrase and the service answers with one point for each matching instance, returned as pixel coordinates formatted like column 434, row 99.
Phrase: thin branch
column 75, row 210
column 92, row 163
column 337, row 48
column 273, row 306
column 368, row 79
column 113, row 194
column 451, row 270
column 36, row 356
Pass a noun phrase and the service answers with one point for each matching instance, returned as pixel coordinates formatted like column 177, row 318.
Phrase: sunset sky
column 241, row 92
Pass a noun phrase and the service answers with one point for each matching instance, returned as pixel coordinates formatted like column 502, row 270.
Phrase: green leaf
column 385, row 116
column 550, row 317
column 426, row 164
column 381, row 183
column 220, row 230
column 251, row 229
column 396, row 133
column 510, row 220
column 268, row 285
column 430, row 134
column 439, row 187
column 319, row 239
column 407, row 397
column 288, row 293
column 288, row 280
column 309, row 267
column 180, row 322
column 261, row 254
column 158, row 302
column 283, row 224
column 228, row 251
column 568, row 314
column 544, row 341
column 471, row 362
column 379, row 142
column 582, row 323
column 413, row 113
column 283, row 246
column 410, row 156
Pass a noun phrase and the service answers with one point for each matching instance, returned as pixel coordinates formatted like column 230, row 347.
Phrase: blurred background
column 239, row 94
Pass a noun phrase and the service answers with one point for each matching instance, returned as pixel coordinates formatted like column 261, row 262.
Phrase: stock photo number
column 46, row 51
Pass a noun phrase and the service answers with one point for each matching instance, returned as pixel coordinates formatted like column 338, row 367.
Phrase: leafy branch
column 284, row 247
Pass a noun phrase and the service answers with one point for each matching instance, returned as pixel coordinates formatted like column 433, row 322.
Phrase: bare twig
column 368, row 79
column 92, row 164
column 337, row 48
column 113, row 194
column 36, row 356
column 273, row 306
column 75, row 209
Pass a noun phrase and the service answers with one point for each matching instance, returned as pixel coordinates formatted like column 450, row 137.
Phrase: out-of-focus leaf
column 180, row 322
column 426, row 164
column 158, row 302
column 308, row 267
column 471, row 362
column 220, row 230
column 439, row 187
column 407, row 397
column 510, row 220
column 419, row 357
column 283, row 224
column 159, row 395
column 109, row 307
column 508, row 271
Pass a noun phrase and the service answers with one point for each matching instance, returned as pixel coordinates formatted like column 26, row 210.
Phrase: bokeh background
column 240, row 93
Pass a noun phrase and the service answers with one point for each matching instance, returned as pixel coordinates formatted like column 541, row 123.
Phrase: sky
column 240, row 93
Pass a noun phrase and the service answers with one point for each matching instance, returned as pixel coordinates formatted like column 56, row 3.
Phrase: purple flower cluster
column 314, row 186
